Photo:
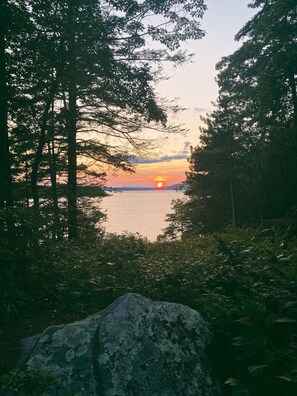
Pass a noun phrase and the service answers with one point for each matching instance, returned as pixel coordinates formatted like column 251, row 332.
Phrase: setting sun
column 160, row 182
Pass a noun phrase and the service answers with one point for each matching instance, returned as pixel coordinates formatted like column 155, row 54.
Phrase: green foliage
column 180, row 221
column 245, row 167
column 246, row 289
column 25, row 383
column 83, row 276
column 261, row 338
column 28, row 383
column 244, row 285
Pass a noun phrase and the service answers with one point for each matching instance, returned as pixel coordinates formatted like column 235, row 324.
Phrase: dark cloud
column 166, row 158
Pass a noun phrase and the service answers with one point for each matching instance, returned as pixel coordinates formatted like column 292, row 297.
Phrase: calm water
column 139, row 211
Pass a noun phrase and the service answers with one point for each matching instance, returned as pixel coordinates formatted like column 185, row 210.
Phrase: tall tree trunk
column 53, row 175
column 7, row 228
column 41, row 144
column 294, row 135
column 6, row 195
column 231, row 183
column 71, row 128
column 294, row 96
column 27, row 183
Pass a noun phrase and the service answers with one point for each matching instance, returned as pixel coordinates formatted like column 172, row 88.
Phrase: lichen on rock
column 134, row 347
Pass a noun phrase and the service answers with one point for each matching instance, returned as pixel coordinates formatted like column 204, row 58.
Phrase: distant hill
column 140, row 188
column 177, row 186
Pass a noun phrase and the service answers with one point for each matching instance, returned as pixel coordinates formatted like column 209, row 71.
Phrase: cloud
column 166, row 158
column 186, row 146
column 199, row 110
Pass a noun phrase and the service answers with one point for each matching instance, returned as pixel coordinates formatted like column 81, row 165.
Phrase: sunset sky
column 195, row 87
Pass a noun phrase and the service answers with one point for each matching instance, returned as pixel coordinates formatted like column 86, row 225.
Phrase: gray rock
column 135, row 347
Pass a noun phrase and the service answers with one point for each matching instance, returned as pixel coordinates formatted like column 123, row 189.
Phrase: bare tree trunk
column 6, row 194
column 27, row 183
column 231, row 181
column 294, row 96
column 294, row 135
column 233, row 219
column 7, row 228
column 53, row 176
column 41, row 144
column 72, row 128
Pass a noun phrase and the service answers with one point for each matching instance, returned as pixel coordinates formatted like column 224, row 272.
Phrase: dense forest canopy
column 245, row 169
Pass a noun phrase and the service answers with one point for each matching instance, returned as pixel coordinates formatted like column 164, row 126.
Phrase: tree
column 245, row 168
column 14, row 20
column 180, row 221
column 104, row 68
column 80, row 77
column 260, row 79
column 215, row 174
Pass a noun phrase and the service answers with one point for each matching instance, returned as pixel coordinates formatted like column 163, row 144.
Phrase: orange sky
column 147, row 175
column 195, row 89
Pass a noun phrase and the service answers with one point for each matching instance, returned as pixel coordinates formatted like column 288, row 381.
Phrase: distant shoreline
column 178, row 187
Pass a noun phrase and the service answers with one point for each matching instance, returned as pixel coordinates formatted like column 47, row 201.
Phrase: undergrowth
column 244, row 285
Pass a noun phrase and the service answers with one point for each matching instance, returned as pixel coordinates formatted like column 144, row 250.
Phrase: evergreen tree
column 105, row 69
column 76, row 78
column 245, row 169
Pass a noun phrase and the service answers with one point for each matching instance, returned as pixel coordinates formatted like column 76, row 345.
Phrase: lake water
column 139, row 211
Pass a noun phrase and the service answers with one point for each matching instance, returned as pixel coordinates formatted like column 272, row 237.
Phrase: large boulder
column 134, row 347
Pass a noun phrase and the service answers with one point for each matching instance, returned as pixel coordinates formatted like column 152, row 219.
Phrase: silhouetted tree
column 245, row 168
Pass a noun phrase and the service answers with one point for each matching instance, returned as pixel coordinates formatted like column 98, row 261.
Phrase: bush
column 244, row 284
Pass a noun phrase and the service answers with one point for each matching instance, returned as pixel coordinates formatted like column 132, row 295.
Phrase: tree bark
column 53, row 175
column 71, row 127
column 231, row 182
column 7, row 227
column 294, row 96
column 6, row 193
column 41, row 144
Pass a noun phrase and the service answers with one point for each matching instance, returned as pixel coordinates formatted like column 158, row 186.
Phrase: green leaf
column 237, row 341
column 238, row 388
column 255, row 310
column 285, row 320
column 284, row 378
column 256, row 367
column 232, row 382
column 289, row 305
